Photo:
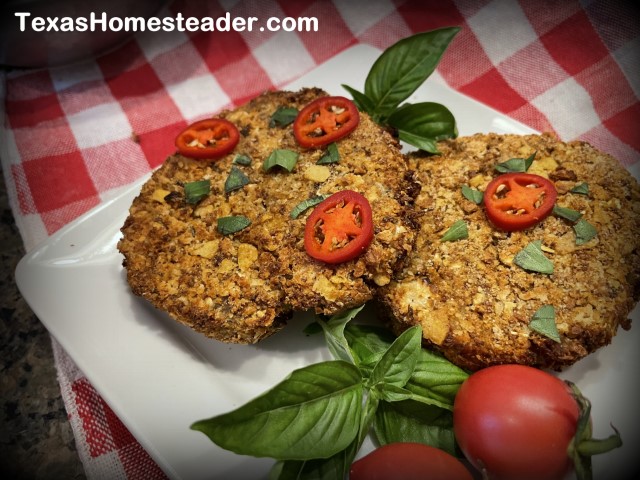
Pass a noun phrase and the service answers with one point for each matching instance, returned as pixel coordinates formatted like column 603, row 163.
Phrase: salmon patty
column 241, row 287
column 474, row 300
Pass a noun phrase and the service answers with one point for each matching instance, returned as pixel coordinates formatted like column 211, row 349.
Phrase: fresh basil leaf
column 472, row 194
column 196, row 191
column 332, row 155
column 404, row 66
column 286, row 159
column 436, row 377
column 396, row 365
column 410, row 421
column 584, row 231
column 334, row 334
column 581, row 189
column 283, row 116
column 363, row 102
column 313, row 413
column 393, row 393
column 544, row 322
column 306, row 204
column 242, row 159
column 336, row 466
column 423, row 124
column 236, row 180
column 367, row 344
column 457, row 231
column 232, row 224
column 532, row 259
column 567, row 213
column 516, row 165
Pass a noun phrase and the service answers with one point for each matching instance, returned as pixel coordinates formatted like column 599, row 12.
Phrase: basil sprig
column 315, row 420
column 394, row 76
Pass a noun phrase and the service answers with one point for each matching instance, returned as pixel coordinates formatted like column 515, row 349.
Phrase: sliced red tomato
column 208, row 139
column 340, row 228
column 408, row 461
column 516, row 201
column 325, row 120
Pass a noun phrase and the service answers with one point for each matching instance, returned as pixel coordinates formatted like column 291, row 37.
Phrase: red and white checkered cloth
column 66, row 142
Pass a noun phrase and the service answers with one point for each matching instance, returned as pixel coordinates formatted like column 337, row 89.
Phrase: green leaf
column 363, row 102
column 334, row 334
column 332, row 468
column 283, row 116
column 410, row 421
column 306, row 204
column 396, row 365
column 567, row 213
column 457, row 231
column 532, row 259
column 286, row 159
column 332, row 155
column 472, row 194
column 581, row 189
column 232, row 224
column 236, row 180
column 584, row 231
column 196, row 191
column 313, row 413
column 544, row 322
column 516, row 165
column 404, row 66
column 242, row 159
column 423, row 124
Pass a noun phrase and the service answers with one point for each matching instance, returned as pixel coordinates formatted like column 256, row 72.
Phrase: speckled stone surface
column 36, row 441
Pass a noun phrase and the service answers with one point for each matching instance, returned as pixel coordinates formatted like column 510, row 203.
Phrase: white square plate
column 159, row 377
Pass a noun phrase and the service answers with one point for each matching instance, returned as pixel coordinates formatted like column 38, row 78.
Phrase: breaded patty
column 242, row 287
column 473, row 302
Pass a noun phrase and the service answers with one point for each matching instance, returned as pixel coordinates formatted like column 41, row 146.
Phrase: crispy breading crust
column 473, row 302
column 242, row 287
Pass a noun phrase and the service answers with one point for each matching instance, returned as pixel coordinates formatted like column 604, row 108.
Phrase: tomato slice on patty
column 516, row 201
column 325, row 120
column 208, row 139
column 340, row 228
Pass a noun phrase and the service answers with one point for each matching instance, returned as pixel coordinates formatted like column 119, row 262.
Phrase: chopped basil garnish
column 544, row 322
column 472, row 194
column 532, row 259
column 332, row 155
column 236, row 180
column 567, row 213
column 286, row 159
column 584, row 232
column 242, row 159
column 514, row 165
column 582, row 189
column 232, row 224
column 196, row 191
column 283, row 116
column 457, row 231
column 305, row 204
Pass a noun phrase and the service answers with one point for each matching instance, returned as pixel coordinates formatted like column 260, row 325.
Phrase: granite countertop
column 36, row 441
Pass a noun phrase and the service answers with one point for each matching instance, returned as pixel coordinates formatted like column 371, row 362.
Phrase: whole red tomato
column 408, row 461
column 516, row 422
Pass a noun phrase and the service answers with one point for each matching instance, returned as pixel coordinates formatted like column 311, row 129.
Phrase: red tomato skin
column 408, row 461
column 516, row 422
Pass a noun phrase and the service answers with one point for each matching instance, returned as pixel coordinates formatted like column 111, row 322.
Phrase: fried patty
column 242, row 287
column 473, row 302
